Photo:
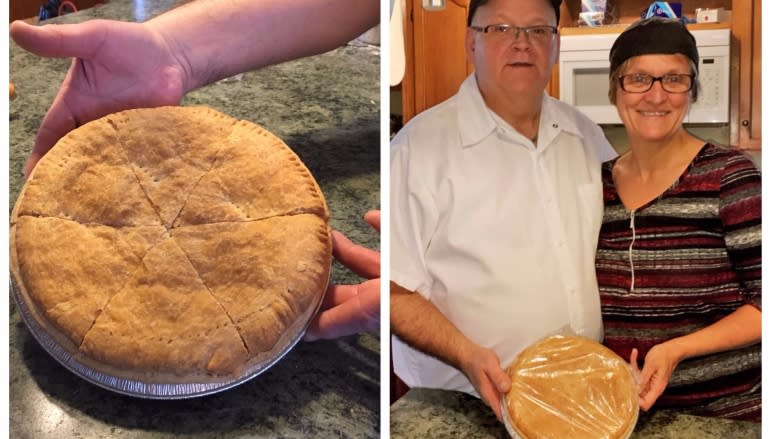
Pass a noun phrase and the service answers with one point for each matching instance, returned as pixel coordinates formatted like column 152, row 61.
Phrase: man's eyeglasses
column 671, row 83
column 507, row 32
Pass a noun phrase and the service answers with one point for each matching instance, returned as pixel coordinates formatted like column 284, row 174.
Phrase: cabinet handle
column 745, row 123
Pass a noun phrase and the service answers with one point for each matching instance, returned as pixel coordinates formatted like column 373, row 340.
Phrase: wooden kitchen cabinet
column 746, row 75
column 434, row 43
column 436, row 61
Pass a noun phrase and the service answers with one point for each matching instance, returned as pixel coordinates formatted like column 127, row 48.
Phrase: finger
column 644, row 404
column 58, row 121
column 645, row 374
column 650, row 397
column 491, row 396
column 497, row 383
column 495, row 404
column 646, row 399
column 372, row 217
column 655, row 387
column 338, row 294
column 61, row 40
column 330, row 299
column 29, row 165
column 635, row 371
column 499, row 378
column 358, row 314
column 341, row 321
column 363, row 261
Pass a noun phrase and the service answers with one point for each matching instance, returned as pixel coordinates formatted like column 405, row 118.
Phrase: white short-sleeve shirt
column 499, row 234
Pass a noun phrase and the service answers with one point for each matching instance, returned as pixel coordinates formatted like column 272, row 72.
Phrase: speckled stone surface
column 424, row 413
column 326, row 108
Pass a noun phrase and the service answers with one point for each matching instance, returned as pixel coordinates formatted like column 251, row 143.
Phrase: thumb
column 634, row 366
column 499, row 378
column 62, row 40
column 372, row 217
column 640, row 375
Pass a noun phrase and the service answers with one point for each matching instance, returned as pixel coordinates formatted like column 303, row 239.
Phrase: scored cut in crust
column 78, row 266
column 171, row 242
column 232, row 192
column 164, row 319
column 73, row 183
column 570, row 387
column 257, row 293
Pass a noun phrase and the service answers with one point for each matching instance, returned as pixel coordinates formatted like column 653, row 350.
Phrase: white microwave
column 584, row 76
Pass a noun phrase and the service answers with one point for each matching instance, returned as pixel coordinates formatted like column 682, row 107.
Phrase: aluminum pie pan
column 516, row 434
column 149, row 388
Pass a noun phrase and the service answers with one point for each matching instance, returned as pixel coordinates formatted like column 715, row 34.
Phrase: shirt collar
column 475, row 122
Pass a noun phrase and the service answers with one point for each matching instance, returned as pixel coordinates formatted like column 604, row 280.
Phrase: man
column 495, row 211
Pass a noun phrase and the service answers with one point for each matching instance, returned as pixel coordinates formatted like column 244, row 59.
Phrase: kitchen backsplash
column 719, row 134
column 616, row 134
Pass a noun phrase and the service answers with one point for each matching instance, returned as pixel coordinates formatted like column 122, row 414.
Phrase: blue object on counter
column 663, row 9
column 48, row 9
column 593, row 6
column 55, row 8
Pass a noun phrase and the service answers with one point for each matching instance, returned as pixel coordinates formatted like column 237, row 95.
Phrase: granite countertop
column 326, row 108
column 443, row 413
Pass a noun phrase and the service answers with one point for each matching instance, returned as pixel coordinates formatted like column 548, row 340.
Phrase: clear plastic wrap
column 570, row 387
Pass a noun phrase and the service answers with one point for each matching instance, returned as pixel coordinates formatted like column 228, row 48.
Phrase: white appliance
column 584, row 76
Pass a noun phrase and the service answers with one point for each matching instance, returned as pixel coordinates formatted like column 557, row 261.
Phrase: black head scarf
column 652, row 36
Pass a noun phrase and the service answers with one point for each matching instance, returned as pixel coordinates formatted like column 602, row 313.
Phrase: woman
column 679, row 255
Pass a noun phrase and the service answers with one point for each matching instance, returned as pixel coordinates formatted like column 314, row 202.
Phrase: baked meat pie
column 172, row 242
column 567, row 387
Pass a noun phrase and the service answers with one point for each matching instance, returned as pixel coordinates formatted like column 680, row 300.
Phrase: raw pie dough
column 570, row 387
column 171, row 242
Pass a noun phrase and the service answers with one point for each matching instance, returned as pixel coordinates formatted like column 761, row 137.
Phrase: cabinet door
column 746, row 117
column 435, row 55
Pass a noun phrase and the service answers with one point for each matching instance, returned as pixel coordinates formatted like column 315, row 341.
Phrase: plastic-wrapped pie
column 567, row 387
column 170, row 245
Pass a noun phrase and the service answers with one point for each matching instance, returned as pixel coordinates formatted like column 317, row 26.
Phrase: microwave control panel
column 710, row 81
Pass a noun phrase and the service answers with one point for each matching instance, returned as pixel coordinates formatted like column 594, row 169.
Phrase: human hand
column 484, row 371
column 116, row 66
column 349, row 309
column 660, row 362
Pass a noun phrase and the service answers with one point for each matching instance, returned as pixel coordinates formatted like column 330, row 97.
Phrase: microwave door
column 584, row 83
column 712, row 104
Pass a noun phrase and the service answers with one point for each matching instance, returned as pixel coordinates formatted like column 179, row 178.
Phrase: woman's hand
column 349, row 309
column 660, row 362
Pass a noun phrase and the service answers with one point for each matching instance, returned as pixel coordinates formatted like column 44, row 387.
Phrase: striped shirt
column 680, row 263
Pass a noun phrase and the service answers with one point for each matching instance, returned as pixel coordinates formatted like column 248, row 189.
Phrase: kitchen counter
column 326, row 108
column 443, row 413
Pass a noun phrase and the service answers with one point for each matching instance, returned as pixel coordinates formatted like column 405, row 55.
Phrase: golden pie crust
column 173, row 242
column 570, row 387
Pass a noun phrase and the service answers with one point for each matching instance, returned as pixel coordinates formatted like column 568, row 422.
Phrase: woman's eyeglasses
column 671, row 83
